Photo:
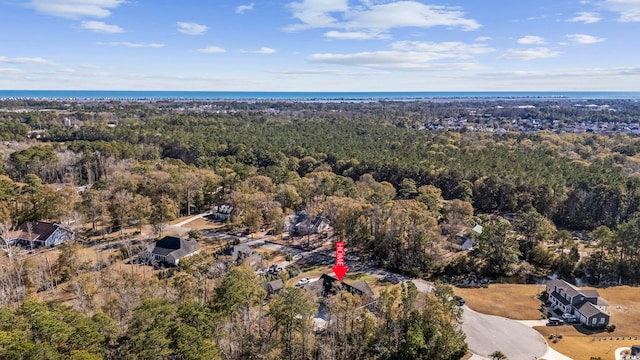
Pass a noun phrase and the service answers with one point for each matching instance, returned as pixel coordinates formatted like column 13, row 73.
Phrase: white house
column 587, row 305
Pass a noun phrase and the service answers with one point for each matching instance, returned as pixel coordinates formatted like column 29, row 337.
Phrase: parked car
column 568, row 317
column 302, row 282
column 554, row 321
column 460, row 300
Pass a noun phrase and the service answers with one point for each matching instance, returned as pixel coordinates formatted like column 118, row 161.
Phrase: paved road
column 488, row 333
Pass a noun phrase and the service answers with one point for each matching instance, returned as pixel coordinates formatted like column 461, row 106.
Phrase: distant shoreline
column 110, row 95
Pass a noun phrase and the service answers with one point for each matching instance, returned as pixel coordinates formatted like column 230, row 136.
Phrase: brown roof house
column 274, row 287
column 170, row 249
column 40, row 234
column 587, row 305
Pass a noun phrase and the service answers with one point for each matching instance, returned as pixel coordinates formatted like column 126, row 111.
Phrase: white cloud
column 531, row 40
column 483, row 38
column 11, row 71
column 355, row 35
column 262, row 50
column 212, row 50
column 376, row 17
column 132, row 45
column 189, row 28
column 585, row 39
column 24, row 60
column 75, row 9
column 244, row 8
column 530, row 54
column 411, row 56
column 317, row 13
column 101, row 27
column 449, row 49
column 329, row 72
column 586, row 18
column 629, row 10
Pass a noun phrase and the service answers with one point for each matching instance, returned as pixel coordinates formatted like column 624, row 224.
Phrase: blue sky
column 320, row 45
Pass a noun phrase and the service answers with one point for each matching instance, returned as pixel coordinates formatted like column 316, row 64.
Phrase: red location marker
column 340, row 270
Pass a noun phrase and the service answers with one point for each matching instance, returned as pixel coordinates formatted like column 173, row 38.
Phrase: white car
column 302, row 282
column 569, row 317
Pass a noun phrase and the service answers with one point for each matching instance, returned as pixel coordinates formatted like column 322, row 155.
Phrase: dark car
column 554, row 321
column 459, row 300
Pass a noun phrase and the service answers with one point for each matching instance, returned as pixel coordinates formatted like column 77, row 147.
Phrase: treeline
column 496, row 173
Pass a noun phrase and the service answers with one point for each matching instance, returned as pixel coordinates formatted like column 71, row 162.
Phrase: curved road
column 488, row 333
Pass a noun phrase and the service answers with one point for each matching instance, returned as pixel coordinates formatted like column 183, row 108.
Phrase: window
column 594, row 321
column 602, row 320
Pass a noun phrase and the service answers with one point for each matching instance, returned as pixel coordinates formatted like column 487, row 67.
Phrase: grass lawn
column 514, row 301
column 579, row 346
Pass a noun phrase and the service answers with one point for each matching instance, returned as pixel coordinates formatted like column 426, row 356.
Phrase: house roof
column 460, row 240
column 177, row 247
column 571, row 290
column 589, row 310
column 477, row 229
column 35, row 231
column 590, row 293
column 364, row 287
column 560, row 298
column 275, row 285
column 238, row 250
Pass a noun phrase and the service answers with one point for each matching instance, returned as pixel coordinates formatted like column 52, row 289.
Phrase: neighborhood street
column 488, row 333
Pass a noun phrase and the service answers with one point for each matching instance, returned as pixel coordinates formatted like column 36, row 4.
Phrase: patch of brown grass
column 513, row 301
column 203, row 224
column 579, row 346
column 624, row 309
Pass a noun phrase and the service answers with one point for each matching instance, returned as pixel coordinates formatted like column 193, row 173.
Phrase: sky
column 320, row 45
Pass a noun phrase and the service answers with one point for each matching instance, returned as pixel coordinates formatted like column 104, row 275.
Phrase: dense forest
column 396, row 189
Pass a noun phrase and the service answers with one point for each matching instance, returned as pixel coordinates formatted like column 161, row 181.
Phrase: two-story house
column 587, row 305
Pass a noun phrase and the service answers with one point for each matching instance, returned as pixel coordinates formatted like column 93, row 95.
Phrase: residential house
column 328, row 285
column 274, row 287
column 171, row 249
column 222, row 212
column 37, row 234
column 635, row 350
column 243, row 253
column 465, row 240
column 302, row 224
column 587, row 305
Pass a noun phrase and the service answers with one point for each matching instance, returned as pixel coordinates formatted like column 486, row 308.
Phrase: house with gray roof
column 587, row 305
column 37, row 234
column 171, row 249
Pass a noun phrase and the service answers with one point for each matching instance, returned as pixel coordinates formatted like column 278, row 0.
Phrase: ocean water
column 308, row 96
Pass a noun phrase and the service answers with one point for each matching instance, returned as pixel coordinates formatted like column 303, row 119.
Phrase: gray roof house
column 170, row 249
column 40, row 234
column 464, row 240
column 302, row 224
column 587, row 305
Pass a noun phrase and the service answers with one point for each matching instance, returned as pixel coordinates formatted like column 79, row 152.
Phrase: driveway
column 488, row 333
